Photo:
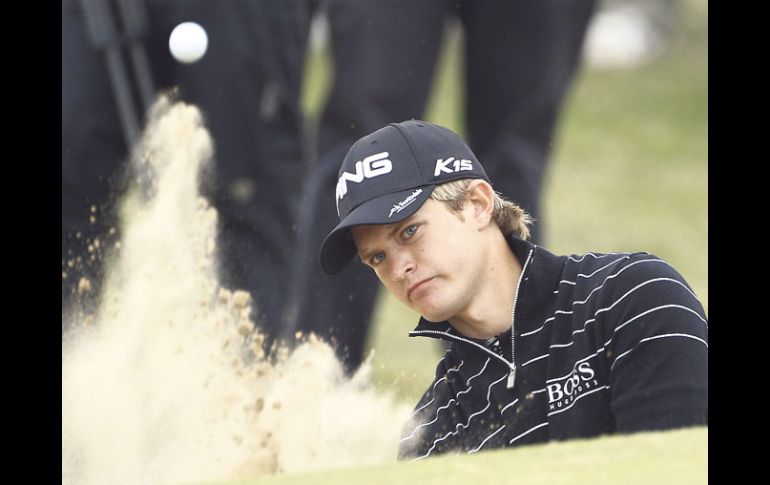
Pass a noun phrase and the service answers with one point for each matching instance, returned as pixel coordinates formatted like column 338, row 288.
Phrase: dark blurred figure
column 520, row 59
column 247, row 86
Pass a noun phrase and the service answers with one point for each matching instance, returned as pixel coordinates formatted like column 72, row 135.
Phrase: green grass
column 671, row 457
column 630, row 169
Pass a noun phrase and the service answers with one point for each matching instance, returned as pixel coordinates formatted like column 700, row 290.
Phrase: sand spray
column 165, row 379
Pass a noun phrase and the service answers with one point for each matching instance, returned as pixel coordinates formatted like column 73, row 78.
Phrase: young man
column 543, row 347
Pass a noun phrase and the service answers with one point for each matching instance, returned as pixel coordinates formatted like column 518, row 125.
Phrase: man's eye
column 410, row 231
column 377, row 259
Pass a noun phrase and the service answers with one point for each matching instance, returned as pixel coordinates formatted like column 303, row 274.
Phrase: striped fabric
column 605, row 343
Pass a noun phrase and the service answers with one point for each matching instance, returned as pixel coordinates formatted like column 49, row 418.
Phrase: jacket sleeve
column 430, row 430
column 656, row 343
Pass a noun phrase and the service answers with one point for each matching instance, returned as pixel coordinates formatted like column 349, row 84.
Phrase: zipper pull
column 511, row 377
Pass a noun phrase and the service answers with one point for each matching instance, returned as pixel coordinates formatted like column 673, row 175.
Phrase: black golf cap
column 388, row 175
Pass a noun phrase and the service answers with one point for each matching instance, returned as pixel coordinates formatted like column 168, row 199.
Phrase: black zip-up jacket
column 603, row 343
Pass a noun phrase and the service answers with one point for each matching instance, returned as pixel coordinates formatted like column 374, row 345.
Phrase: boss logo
column 582, row 377
column 450, row 165
column 370, row 167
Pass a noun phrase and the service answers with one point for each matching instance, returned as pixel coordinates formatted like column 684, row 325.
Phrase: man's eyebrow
column 399, row 225
column 366, row 253
column 364, row 256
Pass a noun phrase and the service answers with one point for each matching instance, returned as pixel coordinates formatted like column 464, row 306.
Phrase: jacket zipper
column 512, row 373
column 511, row 365
column 460, row 339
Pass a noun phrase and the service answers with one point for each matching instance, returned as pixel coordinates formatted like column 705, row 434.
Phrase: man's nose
column 403, row 264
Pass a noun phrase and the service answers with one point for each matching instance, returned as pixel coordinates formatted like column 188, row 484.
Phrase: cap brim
column 338, row 248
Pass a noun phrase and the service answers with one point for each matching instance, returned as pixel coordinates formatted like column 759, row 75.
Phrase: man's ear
column 481, row 199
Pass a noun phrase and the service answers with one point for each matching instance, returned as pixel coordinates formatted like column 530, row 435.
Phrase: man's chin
column 433, row 315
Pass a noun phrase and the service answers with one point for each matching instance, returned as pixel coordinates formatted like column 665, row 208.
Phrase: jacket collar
column 541, row 278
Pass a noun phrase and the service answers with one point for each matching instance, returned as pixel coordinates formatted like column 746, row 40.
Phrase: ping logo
column 370, row 167
column 446, row 166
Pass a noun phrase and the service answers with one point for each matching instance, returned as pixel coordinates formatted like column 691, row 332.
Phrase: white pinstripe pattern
column 509, row 405
column 585, row 325
column 503, row 426
column 486, row 439
column 574, row 366
column 586, row 276
column 559, row 346
column 517, row 400
column 528, row 431
column 533, row 360
column 578, row 399
column 572, row 258
column 655, row 337
column 606, row 309
column 573, row 283
column 644, row 283
column 434, row 388
column 465, row 426
column 567, row 312
column 662, row 307
column 432, row 447
column 563, row 312
column 447, row 404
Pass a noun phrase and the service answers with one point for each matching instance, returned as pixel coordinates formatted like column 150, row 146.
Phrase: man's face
column 431, row 261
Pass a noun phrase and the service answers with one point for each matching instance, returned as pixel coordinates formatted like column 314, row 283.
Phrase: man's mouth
column 416, row 286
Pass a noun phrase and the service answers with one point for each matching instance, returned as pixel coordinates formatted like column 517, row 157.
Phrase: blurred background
column 629, row 170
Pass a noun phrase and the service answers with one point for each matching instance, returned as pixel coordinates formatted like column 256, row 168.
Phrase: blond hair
column 508, row 216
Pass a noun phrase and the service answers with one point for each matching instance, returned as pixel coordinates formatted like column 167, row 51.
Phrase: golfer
column 543, row 347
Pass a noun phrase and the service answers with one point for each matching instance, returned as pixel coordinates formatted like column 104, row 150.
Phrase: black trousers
column 247, row 86
column 520, row 58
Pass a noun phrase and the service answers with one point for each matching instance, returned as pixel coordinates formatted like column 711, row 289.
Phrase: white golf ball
column 188, row 42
